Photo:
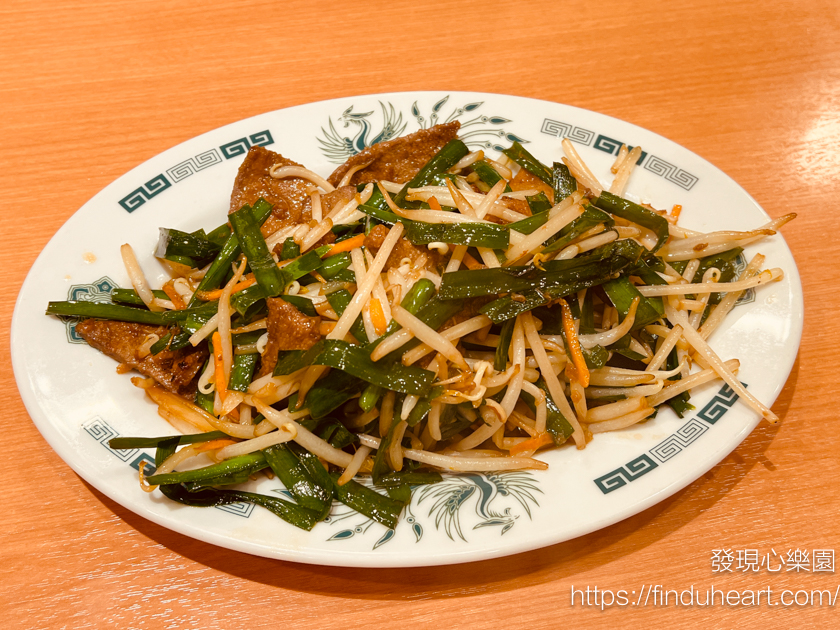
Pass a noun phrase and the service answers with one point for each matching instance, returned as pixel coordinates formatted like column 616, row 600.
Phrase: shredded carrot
column 234, row 413
column 212, row 445
column 174, row 296
column 675, row 211
column 377, row 316
column 471, row 262
column 219, row 366
column 208, row 296
column 434, row 204
column 581, row 371
column 346, row 245
column 532, row 444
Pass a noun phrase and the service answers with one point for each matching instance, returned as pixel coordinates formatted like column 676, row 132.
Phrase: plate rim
column 345, row 557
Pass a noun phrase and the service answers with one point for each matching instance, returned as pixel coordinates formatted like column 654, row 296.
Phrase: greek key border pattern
column 678, row 440
column 102, row 432
column 719, row 405
column 623, row 475
column 179, row 172
column 98, row 292
column 649, row 162
column 673, row 174
column 612, row 146
column 193, row 165
column 671, row 446
column 565, row 130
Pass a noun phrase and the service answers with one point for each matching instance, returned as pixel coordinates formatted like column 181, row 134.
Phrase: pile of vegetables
column 558, row 309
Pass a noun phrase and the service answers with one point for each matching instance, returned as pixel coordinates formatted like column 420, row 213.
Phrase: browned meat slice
column 527, row 181
column 339, row 196
column 288, row 329
column 288, row 195
column 519, row 205
column 400, row 159
column 375, row 238
column 403, row 249
column 176, row 371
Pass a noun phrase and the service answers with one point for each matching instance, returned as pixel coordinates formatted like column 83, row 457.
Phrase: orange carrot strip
column 471, row 262
column 532, row 444
column 326, row 328
column 346, row 245
column 207, row 296
column 212, row 445
column 174, row 296
column 676, row 210
column 219, row 366
column 377, row 316
column 581, row 371
column 434, row 204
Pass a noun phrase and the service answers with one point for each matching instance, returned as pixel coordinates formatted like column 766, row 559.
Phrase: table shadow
column 559, row 561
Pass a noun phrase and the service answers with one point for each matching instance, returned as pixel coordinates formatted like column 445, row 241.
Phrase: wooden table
column 89, row 91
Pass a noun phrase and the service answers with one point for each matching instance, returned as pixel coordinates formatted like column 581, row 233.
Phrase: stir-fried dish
column 423, row 309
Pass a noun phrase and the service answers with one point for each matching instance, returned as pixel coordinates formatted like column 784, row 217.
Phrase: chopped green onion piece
column 175, row 243
column 290, row 249
column 443, row 160
column 622, row 293
column 118, row 443
column 251, row 462
column 562, row 181
column 635, row 213
column 333, row 265
column 129, row 296
column 556, row 423
column 354, row 360
column 487, row 173
column 253, row 245
column 475, row 234
column 242, row 371
column 339, row 301
column 370, row 396
column 589, row 219
column 330, row 392
column 521, row 156
column 538, row 203
column 502, row 350
column 230, row 250
column 365, row 501
column 559, row 278
column 292, row 473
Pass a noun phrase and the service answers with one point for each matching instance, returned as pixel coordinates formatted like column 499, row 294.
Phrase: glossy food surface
column 91, row 92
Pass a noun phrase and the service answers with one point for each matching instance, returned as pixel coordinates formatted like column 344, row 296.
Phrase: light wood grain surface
column 90, row 90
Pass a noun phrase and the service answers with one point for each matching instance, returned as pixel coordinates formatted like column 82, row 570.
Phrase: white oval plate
column 79, row 402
